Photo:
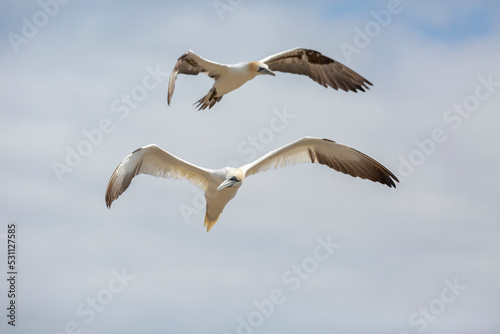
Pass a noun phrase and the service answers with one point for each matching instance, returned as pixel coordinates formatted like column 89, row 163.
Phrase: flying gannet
column 320, row 68
column 221, row 185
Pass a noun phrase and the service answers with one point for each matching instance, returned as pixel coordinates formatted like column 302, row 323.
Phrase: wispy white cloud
column 397, row 245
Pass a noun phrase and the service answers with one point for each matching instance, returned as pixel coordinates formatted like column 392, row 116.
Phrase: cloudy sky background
column 396, row 248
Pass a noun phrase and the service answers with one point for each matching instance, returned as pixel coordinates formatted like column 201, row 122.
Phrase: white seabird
column 320, row 68
column 221, row 185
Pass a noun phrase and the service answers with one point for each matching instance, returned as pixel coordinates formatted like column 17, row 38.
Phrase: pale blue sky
column 398, row 250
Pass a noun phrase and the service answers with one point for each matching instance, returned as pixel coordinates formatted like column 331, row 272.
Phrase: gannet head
column 233, row 179
column 258, row 67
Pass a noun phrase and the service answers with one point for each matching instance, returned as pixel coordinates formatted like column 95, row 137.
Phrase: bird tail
column 208, row 100
column 210, row 221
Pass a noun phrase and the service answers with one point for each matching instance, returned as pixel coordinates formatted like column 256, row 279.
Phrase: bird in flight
column 320, row 68
column 221, row 185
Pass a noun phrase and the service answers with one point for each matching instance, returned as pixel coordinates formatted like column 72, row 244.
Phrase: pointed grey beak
column 226, row 184
column 266, row 71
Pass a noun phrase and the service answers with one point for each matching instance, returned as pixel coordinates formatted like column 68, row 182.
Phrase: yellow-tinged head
column 259, row 68
column 233, row 179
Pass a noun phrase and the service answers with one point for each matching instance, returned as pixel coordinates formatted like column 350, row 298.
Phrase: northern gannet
column 323, row 70
column 221, row 185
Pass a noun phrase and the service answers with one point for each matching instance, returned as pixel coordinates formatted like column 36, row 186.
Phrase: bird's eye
column 233, row 178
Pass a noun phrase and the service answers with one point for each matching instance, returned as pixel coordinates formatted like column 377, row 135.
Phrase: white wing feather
column 154, row 161
column 326, row 152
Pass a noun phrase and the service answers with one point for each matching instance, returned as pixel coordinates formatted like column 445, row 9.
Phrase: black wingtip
column 390, row 180
column 108, row 202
